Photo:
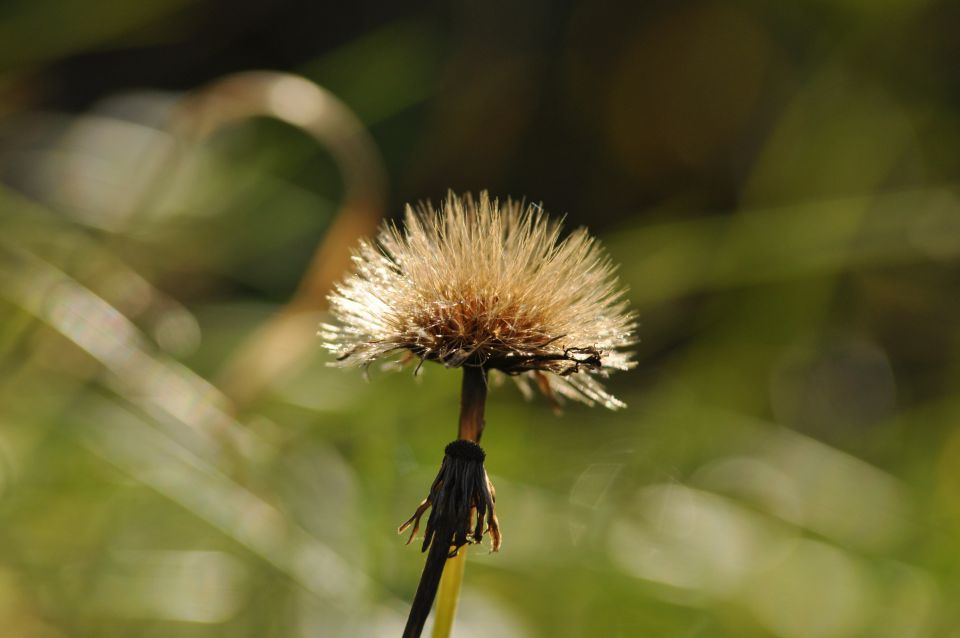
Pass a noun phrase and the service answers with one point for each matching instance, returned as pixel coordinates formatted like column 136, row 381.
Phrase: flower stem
column 473, row 398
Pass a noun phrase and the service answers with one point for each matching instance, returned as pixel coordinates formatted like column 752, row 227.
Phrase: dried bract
column 461, row 502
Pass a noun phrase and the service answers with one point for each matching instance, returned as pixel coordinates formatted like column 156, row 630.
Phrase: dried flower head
column 487, row 284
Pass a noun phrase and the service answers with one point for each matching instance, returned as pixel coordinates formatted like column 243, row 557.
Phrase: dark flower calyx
column 461, row 502
column 465, row 450
column 461, row 499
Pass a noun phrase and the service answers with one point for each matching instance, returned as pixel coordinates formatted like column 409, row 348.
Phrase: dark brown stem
column 473, row 397
column 427, row 589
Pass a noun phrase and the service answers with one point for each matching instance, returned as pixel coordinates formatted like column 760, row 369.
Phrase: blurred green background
column 778, row 181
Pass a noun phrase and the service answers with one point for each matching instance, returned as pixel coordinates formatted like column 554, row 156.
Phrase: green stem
column 449, row 594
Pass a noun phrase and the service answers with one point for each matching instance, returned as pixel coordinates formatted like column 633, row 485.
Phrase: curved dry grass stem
column 284, row 340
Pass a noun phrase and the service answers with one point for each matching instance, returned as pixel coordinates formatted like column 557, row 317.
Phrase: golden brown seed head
column 491, row 284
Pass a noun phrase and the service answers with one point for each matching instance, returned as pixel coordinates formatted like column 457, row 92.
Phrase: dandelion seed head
column 490, row 284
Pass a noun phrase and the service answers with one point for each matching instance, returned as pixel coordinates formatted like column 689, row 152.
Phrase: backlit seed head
column 490, row 284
